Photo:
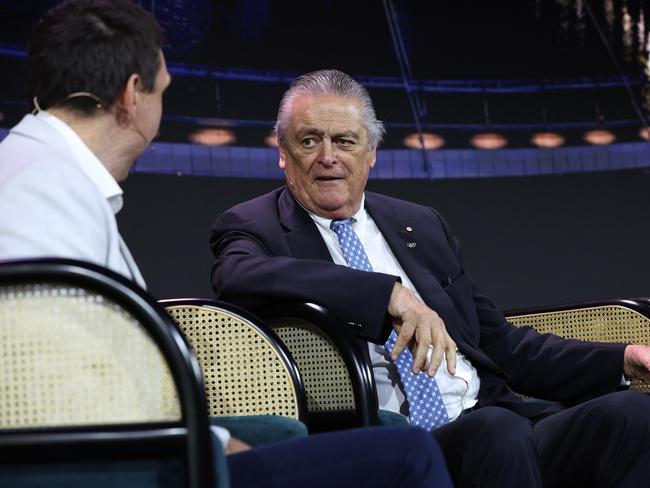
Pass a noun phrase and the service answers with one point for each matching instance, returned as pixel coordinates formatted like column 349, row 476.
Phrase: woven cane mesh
column 324, row 374
column 72, row 357
column 243, row 372
column 610, row 323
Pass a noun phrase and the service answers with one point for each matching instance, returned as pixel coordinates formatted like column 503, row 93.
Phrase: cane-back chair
column 338, row 380
column 247, row 369
column 94, row 374
column 621, row 320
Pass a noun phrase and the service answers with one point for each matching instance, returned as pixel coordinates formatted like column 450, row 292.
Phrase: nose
column 326, row 153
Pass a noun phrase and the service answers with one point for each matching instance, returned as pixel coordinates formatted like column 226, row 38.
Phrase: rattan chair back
column 621, row 321
column 91, row 366
column 74, row 357
column 246, row 369
column 328, row 386
column 338, row 380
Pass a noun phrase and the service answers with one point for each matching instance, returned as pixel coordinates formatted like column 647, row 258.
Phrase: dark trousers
column 604, row 442
column 380, row 457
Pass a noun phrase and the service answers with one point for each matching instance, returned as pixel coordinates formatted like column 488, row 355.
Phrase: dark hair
column 91, row 46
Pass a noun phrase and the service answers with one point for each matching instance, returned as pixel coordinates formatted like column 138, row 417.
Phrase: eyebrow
column 313, row 131
column 308, row 131
column 347, row 133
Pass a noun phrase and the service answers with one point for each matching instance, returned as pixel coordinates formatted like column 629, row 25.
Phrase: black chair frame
column 640, row 305
column 191, row 435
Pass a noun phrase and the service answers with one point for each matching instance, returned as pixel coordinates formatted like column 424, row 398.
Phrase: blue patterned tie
column 425, row 402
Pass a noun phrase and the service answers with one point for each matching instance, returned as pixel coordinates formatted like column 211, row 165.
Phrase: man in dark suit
column 384, row 264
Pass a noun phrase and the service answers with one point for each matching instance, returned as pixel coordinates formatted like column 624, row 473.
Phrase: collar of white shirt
column 87, row 161
column 359, row 220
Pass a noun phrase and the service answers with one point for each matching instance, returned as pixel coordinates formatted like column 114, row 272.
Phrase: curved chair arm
column 616, row 320
column 102, row 374
column 339, row 383
column 247, row 369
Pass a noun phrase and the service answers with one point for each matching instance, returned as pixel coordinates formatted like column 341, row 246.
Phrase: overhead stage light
column 431, row 141
column 212, row 137
column 488, row 140
column 599, row 137
column 547, row 139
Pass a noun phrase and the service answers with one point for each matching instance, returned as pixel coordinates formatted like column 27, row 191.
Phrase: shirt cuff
column 222, row 434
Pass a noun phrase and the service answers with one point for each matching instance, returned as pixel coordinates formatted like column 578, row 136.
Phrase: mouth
column 329, row 178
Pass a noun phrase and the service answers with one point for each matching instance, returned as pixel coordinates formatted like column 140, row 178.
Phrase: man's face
column 325, row 154
column 151, row 114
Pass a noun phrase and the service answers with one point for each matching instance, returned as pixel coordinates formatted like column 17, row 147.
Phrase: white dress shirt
column 87, row 161
column 57, row 199
column 459, row 391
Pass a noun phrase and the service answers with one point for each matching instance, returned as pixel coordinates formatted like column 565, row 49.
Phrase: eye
column 345, row 142
column 308, row 142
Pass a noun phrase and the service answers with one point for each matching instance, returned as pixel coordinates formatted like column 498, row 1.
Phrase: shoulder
column 47, row 175
column 402, row 207
column 33, row 150
column 44, row 183
column 258, row 205
column 259, row 211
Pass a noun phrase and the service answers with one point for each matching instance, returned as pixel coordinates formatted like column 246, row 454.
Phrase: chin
column 120, row 177
column 334, row 211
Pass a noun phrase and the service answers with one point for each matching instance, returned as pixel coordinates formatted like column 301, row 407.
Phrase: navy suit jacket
column 269, row 249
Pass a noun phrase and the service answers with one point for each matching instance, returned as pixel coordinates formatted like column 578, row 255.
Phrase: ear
column 127, row 102
column 282, row 163
column 372, row 157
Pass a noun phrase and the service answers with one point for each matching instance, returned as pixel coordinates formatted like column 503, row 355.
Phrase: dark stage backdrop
column 526, row 241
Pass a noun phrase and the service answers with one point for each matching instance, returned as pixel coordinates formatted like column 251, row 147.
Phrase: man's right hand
column 420, row 327
column 236, row 446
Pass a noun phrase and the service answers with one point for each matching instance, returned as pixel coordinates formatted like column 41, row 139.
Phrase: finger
column 450, row 355
column 436, row 357
column 440, row 344
column 421, row 351
column 404, row 336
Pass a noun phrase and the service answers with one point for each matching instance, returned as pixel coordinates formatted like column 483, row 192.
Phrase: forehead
column 326, row 113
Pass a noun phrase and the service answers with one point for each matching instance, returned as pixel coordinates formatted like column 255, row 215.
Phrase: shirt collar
column 359, row 220
column 87, row 161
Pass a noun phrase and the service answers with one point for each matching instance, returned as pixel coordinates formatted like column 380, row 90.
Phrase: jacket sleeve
column 253, row 268
column 543, row 365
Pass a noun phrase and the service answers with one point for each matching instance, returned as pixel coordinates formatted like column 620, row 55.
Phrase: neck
column 113, row 145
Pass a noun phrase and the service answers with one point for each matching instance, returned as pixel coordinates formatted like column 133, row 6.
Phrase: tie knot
column 336, row 224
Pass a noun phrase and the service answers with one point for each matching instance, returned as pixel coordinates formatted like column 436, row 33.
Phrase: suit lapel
column 401, row 236
column 302, row 236
column 409, row 250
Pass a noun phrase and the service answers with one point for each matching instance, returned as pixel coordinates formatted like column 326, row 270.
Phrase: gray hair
column 330, row 82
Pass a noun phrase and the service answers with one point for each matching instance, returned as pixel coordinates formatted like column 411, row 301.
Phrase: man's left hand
column 636, row 362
